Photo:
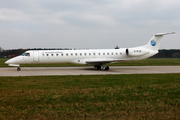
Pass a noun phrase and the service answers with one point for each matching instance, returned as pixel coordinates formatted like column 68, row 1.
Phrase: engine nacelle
column 134, row 52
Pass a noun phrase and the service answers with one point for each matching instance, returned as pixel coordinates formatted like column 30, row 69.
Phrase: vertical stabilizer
column 155, row 41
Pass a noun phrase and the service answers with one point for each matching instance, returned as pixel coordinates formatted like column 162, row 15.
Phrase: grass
column 150, row 62
column 146, row 62
column 147, row 96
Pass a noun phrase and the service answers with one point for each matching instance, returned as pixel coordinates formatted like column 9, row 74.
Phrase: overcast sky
column 87, row 23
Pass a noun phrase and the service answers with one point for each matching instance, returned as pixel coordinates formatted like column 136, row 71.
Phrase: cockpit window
column 23, row 54
column 26, row 54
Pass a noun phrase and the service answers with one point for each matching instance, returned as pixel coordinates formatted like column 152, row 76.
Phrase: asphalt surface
column 41, row 71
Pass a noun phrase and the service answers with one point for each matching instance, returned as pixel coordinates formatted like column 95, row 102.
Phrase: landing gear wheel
column 106, row 68
column 18, row 69
column 97, row 67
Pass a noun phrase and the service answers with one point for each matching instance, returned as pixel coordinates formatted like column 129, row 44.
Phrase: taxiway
column 39, row 71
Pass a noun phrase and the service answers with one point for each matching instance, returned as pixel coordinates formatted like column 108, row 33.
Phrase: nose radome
column 7, row 62
column 10, row 61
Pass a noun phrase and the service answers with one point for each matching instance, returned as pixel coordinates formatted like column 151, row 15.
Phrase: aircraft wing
column 101, row 61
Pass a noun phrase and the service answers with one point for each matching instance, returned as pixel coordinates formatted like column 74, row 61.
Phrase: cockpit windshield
column 25, row 54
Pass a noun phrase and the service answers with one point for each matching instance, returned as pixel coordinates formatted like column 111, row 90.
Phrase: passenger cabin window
column 51, row 54
column 66, row 54
column 111, row 53
column 62, row 54
column 80, row 54
column 76, row 54
column 99, row 53
column 47, row 54
column 57, row 54
column 107, row 53
column 103, row 53
column 85, row 54
column 71, row 54
column 89, row 53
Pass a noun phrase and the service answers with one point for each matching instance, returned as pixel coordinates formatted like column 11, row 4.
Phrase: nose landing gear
column 18, row 69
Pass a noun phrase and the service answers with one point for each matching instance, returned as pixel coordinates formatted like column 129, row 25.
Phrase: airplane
column 99, row 58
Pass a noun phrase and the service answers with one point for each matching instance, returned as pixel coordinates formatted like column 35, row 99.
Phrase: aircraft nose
column 7, row 62
column 11, row 61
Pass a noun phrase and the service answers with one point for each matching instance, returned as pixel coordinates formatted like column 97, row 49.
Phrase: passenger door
column 36, row 56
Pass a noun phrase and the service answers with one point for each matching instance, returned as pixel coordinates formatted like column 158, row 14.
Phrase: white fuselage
column 78, row 56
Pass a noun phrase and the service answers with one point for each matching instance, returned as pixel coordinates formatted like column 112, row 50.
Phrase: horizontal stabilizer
column 161, row 34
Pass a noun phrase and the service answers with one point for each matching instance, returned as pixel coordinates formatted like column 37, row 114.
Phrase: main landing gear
column 99, row 67
column 106, row 68
column 18, row 69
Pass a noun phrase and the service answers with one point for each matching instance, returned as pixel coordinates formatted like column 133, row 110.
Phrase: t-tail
column 155, row 41
column 148, row 50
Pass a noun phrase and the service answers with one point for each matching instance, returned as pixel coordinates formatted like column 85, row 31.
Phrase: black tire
column 18, row 69
column 106, row 68
column 98, row 67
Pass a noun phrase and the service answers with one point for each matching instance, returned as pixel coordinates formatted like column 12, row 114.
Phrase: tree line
column 171, row 53
column 15, row 52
